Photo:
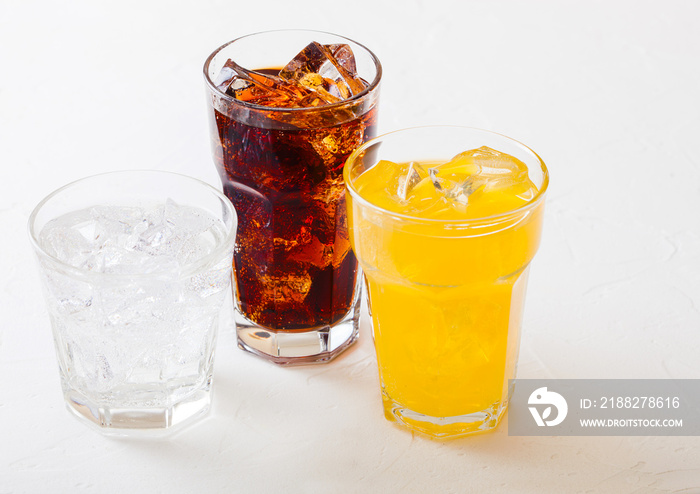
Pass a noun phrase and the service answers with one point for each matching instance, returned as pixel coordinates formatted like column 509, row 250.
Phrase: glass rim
column 372, row 86
column 504, row 216
column 185, row 270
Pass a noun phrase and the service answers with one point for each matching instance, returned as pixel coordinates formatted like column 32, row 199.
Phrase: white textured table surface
column 607, row 92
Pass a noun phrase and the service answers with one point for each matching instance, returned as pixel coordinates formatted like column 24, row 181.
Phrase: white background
column 607, row 92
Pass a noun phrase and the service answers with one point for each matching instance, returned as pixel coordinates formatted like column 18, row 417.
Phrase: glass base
column 443, row 427
column 134, row 420
column 313, row 346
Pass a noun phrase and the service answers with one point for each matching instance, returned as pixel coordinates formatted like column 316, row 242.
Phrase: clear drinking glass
column 136, row 269
column 445, row 294
column 297, row 288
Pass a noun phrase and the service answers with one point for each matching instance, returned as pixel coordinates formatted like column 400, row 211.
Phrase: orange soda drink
column 445, row 246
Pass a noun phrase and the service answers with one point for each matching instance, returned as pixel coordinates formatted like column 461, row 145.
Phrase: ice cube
column 226, row 76
column 414, row 174
column 186, row 220
column 179, row 232
column 213, row 281
column 333, row 143
column 193, row 248
column 153, row 238
column 90, row 230
column 494, row 164
column 343, row 54
column 345, row 65
column 475, row 169
column 68, row 294
column 453, row 175
column 68, row 245
column 438, row 183
column 328, row 70
column 314, row 252
column 262, row 89
column 73, row 237
column 456, row 187
column 494, row 169
column 116, row 220
column 404, row 187
column 461, row 191
column 288, row 287
column 341, row 243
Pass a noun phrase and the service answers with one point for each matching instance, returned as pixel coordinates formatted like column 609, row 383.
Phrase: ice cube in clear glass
column 328, row 70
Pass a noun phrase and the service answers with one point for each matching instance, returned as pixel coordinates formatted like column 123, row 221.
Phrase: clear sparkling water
column 135, row 300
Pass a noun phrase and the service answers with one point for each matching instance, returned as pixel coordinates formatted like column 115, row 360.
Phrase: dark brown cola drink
column 280, row 140
column 294, row 267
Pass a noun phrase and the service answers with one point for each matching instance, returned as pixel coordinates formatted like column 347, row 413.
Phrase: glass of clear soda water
column 136, row 272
